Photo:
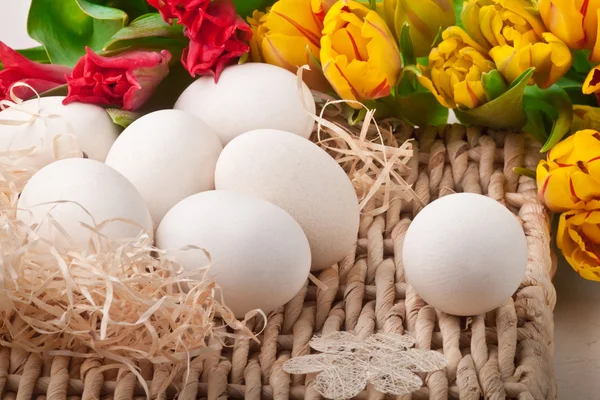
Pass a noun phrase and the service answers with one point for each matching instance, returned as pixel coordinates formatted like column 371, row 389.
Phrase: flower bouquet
column 211, row 198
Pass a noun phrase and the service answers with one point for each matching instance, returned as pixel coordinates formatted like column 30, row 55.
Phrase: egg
column 465, row 254
column 300, row 177
column 58, row 131
column 260, row 256
column 168, row 155
column 78, row 190
column 247, row 97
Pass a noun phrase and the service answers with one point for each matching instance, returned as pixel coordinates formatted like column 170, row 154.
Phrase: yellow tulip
column 578, row 238
column 359, row 54
column 575, row 22
column 592, row 82
column 569, row 179
column 455, row 69
column 585, row 117
column 286, row 33
column 426, row 18
column 516, row 39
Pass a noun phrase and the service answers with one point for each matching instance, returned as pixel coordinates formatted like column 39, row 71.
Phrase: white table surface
column 577, row 315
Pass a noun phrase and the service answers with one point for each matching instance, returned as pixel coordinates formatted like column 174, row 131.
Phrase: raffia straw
column 122, row 300
column 374, row 160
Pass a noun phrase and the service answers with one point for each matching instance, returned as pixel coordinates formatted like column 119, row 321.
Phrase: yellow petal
column 595, row 54
column 427, row 84
column 592, row 82
column 469, row 94
column 590, row 23
column 383, row 52
column 510, row 61
column 523, row 8
column 457, row 32
column 562, row 17
column 294, row 18
column 471, row 22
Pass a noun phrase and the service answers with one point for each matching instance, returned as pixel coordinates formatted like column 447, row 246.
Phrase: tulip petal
column 359, row 54
column 426, row 82
column 564, row 20
column 577, row 237
column 592, row 82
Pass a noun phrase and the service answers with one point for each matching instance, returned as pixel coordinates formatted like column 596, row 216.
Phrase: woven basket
column 507, row 353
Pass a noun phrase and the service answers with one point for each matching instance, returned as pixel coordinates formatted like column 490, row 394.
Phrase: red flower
column 217, row 37
column 184, row 11
column 126, row 81
column 18, row 68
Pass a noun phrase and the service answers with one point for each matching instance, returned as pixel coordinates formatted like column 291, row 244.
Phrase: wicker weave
column 507, row 353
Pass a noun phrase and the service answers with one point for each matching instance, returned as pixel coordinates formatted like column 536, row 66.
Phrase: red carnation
column 221, row 37
column 217, row 34
column 18, row 68
column 126, row 81
column 184, row 11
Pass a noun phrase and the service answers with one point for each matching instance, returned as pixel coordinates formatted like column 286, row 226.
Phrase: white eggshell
column 247, row 97
column 89, row 192
column 298, row 176
column 465, row 254
column 168, row 155
column 261, row 257
column 59, row 131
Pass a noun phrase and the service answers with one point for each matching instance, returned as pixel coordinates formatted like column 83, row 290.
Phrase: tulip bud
column 426, row 18
column 359, row 53
column 289, row 36
column 575, row 22
column 125, row 81
column 18, row 68
column 569, row 178
column 516, row 40
column 578, row 238
column 456, row 68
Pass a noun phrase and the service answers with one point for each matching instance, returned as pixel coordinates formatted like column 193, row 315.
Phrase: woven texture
column 507, row 353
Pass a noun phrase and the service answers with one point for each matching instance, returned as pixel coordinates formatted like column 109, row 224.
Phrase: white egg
column 56, row 132
column 168, row 155
column 260, row 256
column 300, row 177
column 465, row 254
column 247, row 97
column 76, row 191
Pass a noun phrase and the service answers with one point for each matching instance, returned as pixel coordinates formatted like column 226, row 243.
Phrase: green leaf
column 525, row 172
column 146, row 26
column 373, row 4
column 123, row 118
column 581, row 62
column 245, row 8
column 551, row 106
column 422, row 109
column 66, row 29
column 314, row 59
column 37, row 54
column 101, row 12
column 504, row 112
column 458, row 6
column 494, row 84
column 133, row 8
column 406, row 44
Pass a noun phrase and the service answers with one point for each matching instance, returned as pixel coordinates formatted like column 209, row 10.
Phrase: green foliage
column 66, row 27
column 504, row 112
column 549, row 114
column 494, row 84
column 245, row 7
